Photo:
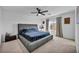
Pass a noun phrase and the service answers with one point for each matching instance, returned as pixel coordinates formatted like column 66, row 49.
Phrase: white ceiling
column 53, row 10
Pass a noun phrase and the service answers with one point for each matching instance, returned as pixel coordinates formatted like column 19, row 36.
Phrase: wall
column 11, row 19
column 68, row 29
column 77, row 29
column 0, row 24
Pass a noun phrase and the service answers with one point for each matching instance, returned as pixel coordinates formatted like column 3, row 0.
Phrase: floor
column 56, row 45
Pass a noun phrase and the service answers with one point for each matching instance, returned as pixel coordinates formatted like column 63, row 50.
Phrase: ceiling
column 52, row 10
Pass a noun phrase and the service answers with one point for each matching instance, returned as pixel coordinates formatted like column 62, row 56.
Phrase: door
column 59, row 27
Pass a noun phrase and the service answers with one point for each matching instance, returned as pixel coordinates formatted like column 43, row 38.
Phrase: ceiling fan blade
column 45, row 11
column 33, row 12
column 42, row 14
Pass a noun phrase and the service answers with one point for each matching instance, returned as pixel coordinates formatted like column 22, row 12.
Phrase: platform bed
column 31, row 46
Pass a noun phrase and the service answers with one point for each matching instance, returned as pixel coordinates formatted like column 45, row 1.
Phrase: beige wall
column 68, row 29
column 11, row 19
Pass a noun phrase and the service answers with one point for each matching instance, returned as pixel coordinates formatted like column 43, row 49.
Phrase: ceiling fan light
column 39, row 14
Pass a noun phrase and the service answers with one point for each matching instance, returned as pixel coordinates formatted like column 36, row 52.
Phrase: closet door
column 59, row 32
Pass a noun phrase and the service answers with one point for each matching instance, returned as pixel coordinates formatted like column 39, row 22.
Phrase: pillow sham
column 22, row 31
column 32, row 29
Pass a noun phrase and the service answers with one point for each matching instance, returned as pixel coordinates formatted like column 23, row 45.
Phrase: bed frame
column 31, row 46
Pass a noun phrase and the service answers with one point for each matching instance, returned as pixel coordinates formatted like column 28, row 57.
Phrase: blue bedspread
column 34, row 35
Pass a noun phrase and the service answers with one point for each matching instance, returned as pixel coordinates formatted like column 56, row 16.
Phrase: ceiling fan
column 39, row 12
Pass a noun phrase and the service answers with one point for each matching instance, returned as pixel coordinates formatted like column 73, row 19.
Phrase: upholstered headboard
column 26, row 26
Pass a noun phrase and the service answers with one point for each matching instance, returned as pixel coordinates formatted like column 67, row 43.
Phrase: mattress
column 34, row 35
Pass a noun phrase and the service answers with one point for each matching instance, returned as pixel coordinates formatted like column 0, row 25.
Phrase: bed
column 31, row 37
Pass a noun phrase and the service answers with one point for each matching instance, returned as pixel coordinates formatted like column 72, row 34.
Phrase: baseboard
column 69, row 39
column 66, row 38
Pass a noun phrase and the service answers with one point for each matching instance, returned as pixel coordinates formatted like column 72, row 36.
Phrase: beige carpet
column 57, row 45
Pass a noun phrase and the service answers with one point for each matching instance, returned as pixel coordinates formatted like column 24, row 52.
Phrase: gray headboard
column 26, row 26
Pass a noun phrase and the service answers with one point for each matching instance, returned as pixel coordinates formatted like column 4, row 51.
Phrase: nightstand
column 10, row 38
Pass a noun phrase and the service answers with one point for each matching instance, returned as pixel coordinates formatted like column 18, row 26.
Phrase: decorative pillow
column 31, row 29
column 22, row 31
